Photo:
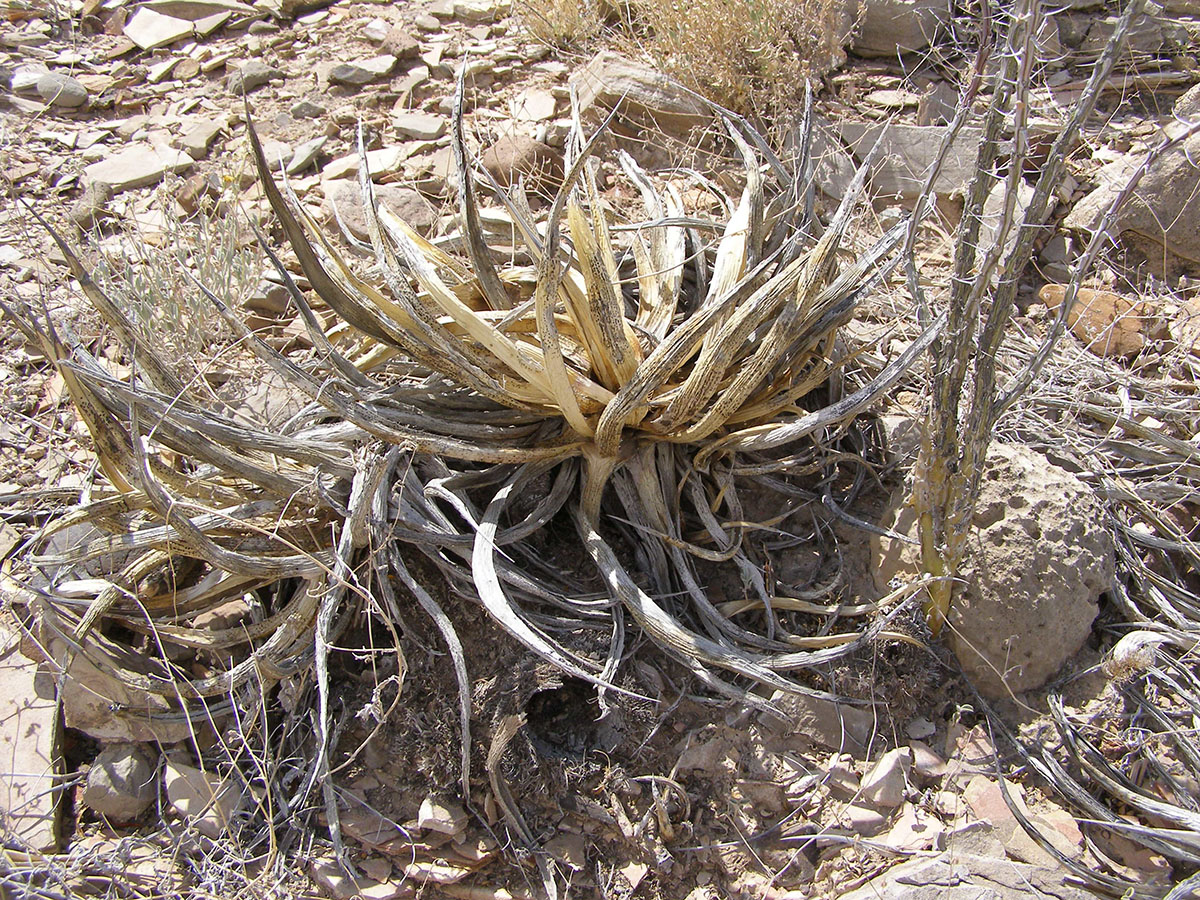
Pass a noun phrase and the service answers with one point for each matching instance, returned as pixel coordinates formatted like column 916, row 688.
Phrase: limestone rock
column 441, row 815
column 25, row 77
column 968, row 877
column 205, row 799
column 861, row 820
column 400, row 43
column 1109, row 324
column 381, row 162
column 62, row 90
column 306, row 154
column 837, row 726
column 28, row 754
column 1035, row 568
column 642, row 92
column 405, row 202
column 198, row 134
column 893, row 27
column 363, row 71
column 1163, row 211
column 151, row 30
column 883, row 787
column 121, row 784
column 250, row 76
column 534, row 105
column 907, row 154
column 137, row 166
column 195, row 10
column 92, row 207
column 515, row 155
column 993, row 212
column 307, row 109
column 419, row 125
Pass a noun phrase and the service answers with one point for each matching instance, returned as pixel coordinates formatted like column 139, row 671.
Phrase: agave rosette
column 630, row 381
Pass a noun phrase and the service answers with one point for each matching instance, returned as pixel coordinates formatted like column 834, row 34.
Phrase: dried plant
column 750, row 55
column 632, row 383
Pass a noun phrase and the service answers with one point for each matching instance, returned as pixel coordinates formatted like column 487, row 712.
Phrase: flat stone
column 198, row 135
column 194, row 10
column 839, row 776
column 250, row 76
column 206, row 26
column 400, row 43
column 151, row 30
column 836, row 726
column 926, row 764
column 862, row 820
column 892, row 99
column 419, row 125
column 883, row 786
column 158, row 72
column 306, row 154
column 204, row 799
column 534, row 105
column 986, row 800
column 62, row 90
column 363, row 71
column 307, row 109
column 914, row 830
column 25, row 77
column 384, row 161
column 121, row 783
column 376, row 30
column 441, row 815
column 474, row 11
column 28, row 753
column 137, row 167
column 642, row 92
column 907, row 153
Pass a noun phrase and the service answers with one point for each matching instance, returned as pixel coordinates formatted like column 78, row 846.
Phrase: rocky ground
column 125, row 125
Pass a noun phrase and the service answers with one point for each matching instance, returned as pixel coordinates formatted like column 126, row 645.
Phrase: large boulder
column 894, row 27
column 1163, row 211
column 907, row 153
column 1037, row 562
column 643, row 93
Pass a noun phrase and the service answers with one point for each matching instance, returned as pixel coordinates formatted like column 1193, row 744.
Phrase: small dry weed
column 752, row 56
